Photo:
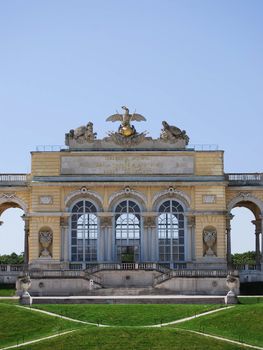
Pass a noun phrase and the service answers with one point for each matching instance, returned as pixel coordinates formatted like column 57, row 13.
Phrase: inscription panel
column 130, row 164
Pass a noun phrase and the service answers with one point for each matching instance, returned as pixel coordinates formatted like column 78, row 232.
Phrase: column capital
column 25, row 218
column 149, row 221
column 257, row 224
column 106, row 221
column 64, row 221
column 190, row 220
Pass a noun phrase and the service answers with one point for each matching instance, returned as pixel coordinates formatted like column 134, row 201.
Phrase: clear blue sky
column 195, row 63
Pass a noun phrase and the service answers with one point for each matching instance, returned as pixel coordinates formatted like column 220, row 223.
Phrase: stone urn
column 25, row 284
column 45, row 239
column 232, row 283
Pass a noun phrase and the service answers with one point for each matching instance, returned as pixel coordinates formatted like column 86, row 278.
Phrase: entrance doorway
column 127, row 254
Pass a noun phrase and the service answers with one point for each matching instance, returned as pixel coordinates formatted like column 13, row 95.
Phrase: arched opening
column 242, row 230
column 127, row 231
column 84, row 232
column 171, row 232
column 12, row 232
column 246, row 235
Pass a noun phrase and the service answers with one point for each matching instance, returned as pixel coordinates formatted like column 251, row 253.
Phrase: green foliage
column 127, row 314
column 12, row 259
column 247, row 258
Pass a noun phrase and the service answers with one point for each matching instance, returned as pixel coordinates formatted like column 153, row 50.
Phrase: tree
column 12, row 259
column 247, row 258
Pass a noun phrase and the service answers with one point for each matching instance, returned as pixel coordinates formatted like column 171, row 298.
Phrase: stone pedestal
column 25, row 299
column 231, row 298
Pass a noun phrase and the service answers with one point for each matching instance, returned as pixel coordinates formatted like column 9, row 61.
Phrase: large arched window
column 171, row 235
column 84, row 232
column 127, row 231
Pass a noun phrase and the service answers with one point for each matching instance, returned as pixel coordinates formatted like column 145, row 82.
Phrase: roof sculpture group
column 84, row 137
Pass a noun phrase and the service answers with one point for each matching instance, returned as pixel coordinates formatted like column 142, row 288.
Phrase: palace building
column 130, row 211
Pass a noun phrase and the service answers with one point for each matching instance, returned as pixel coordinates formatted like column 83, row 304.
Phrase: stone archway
column 10, row 201
column 255, row 205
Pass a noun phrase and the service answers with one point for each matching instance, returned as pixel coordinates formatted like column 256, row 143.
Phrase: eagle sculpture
column 126, row 129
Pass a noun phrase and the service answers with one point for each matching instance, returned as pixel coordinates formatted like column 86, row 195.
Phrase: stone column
column 150, row 244
column 64, row 250
column 191, row 238
column 105, row 244
column 261, row 218
column 257, row 224
column 26, row 249
column 228, row 240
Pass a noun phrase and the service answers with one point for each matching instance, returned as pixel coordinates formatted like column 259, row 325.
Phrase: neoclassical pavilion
column 157, row 208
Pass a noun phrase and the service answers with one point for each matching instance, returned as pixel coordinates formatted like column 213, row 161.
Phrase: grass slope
column 242, row 323
column 132, row 339
column 128, row 315
column 18, row 325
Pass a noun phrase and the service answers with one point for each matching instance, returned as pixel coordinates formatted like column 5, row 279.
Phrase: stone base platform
column 130, row 299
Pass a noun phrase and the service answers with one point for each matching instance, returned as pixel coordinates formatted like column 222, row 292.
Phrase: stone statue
column 126, row 129
column 82, row 134
column 172, row 133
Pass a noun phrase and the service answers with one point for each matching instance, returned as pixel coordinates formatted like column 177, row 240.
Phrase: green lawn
column 132, row 339
column 7, row 290
column 250, row 300
column 18, row 325
column 128, row 315
column 242, row 323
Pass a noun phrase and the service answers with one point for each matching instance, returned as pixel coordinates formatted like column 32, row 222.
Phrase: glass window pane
column 84, row 231
column 171, row 231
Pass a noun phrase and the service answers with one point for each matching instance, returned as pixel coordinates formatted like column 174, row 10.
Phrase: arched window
column 127, row 231
column 84, row 232
column 171, row 235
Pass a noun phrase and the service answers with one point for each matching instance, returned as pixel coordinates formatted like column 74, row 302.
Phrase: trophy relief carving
column 45, row 240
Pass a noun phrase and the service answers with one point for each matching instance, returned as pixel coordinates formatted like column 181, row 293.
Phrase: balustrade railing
column 13, row 178
column 245, row 178
column 189, row 273
column 12, row 269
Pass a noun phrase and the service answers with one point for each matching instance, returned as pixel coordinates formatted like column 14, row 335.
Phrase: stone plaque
column 45, row 200
column 128, row 164
column 209, row 198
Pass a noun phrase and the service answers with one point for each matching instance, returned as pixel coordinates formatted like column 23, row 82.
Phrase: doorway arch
column 10, row 201
column 255, row 205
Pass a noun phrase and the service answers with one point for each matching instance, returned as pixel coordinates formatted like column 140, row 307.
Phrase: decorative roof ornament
column 126, row 129
column 127, row 135
column 172, row 134
column 82, row 134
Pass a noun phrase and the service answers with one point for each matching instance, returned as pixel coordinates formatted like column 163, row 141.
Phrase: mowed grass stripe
column 131, row 339
column 128, row 314
column 243, row 323
column 18, row 325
